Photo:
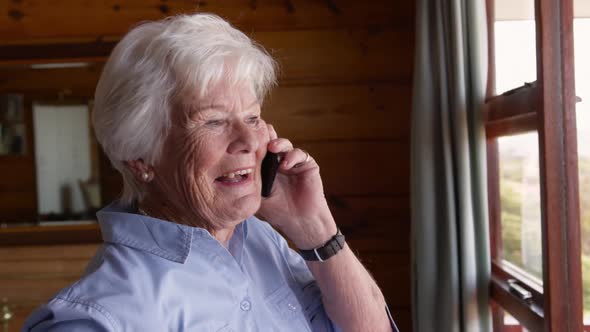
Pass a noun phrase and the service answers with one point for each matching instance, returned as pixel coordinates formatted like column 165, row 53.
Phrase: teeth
column 242, row 172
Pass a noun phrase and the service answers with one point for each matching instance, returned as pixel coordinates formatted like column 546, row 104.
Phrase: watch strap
column 329, row 249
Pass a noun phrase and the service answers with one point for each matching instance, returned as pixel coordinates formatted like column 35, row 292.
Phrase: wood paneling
column 16, row 172
column 344, row 95
column 50, row 83
column 18, row 193
column 328, row 112
column 362, row 167
column 343, row 55
column 49, row 235
column 67, row 19
column 392, row 274
column 30, row 275
column 305, row 57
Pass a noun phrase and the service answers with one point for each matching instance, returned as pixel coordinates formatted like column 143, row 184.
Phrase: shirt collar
column 122, row 225
column 119, row 224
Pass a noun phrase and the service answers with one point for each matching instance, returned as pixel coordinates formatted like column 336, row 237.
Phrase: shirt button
column 245, row 305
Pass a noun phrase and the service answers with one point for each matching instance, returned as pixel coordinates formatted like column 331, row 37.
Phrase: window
column 534, row 202
column 582, row 65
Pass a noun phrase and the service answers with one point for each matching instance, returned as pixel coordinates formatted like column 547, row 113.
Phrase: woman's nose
column 244, row 139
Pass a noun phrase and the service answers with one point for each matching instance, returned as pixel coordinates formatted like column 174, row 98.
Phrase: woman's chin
column 244, row 207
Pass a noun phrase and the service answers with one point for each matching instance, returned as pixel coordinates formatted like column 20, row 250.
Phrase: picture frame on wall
column 12, row 125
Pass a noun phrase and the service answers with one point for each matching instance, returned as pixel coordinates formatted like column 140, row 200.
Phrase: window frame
column 548, row 107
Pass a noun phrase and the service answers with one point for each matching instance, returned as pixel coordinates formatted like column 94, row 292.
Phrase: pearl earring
column 145, row 176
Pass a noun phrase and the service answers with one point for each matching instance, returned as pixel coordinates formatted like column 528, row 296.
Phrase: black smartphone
column 268, row 172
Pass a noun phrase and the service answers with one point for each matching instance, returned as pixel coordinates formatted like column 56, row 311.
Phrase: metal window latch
column 519, row 291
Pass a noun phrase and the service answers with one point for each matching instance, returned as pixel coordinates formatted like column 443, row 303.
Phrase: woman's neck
column 162, row 211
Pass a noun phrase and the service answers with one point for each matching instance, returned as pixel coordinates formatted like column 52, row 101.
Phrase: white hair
column 154, row 70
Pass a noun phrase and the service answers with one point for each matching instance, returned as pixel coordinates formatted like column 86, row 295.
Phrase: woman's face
column 210, row 167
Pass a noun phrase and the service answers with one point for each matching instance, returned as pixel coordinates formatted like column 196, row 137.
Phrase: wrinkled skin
column 222, row 133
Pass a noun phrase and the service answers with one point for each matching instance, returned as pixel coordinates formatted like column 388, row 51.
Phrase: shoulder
column 117, row 278
column 71, row 314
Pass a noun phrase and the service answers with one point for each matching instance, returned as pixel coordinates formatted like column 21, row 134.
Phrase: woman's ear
column 141, row 170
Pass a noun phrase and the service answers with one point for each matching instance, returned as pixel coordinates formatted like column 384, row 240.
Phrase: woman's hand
column 297, row 205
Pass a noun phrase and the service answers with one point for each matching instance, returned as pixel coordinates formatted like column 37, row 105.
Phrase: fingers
column 291, row 158
column 296, row 158
column 280, row 145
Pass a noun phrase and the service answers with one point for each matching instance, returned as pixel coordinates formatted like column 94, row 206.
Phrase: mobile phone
column 268, row 172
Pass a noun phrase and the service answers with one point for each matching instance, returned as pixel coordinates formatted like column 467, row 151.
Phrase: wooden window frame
column 546, row 106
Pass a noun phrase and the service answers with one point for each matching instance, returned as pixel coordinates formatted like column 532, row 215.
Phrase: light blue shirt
column 154, row 275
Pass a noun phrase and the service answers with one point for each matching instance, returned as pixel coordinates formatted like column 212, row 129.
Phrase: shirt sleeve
column 69, row 315
column 311, row 295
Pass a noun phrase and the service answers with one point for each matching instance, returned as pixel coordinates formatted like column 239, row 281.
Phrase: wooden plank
column 373, row 223
column 42, row 268
column 31, row 291
column 560, row 214
column 513, row 126
column 375, row 111
column 48, row 253
column 513, row 103
column 358, row 55
column 25, row 20
column 17, row 215
column 392, row 273
column 38, row 235
column 50, row 83
column 402, row 317
column 18, row 192
column 357, row 212
column 16, row 173
column 362, row 167
column 24, row 198
column 305, row 56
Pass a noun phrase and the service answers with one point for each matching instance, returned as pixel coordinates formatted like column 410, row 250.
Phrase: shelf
column 47, row 235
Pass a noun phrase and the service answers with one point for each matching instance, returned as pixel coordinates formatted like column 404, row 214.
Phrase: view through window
column 582, row 65
column 519, row 160
column 520, row 194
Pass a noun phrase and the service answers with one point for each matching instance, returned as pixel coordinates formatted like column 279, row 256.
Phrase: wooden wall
column 29, row 275
column 344, row 95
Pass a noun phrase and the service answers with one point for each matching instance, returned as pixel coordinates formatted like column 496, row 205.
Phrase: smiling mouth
column 235, row 177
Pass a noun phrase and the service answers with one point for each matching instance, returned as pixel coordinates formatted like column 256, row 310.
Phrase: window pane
column 520, row 200
column 515, row 44
column 582, row 66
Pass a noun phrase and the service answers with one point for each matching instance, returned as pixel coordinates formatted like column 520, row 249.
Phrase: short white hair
column 154, row 70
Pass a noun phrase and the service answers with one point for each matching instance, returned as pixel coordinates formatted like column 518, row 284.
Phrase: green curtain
column 450, row 244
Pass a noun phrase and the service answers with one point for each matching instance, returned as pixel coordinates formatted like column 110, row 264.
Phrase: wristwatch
column 333, row 246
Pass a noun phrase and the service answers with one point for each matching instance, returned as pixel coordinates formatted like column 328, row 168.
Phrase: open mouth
column 235, row 177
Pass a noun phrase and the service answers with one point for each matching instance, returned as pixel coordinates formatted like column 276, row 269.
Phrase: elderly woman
column 177, row 111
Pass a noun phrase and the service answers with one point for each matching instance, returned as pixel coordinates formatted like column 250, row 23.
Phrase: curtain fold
column 450, row 244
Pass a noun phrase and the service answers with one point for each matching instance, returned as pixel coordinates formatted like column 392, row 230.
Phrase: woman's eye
column 254, row 119
column 214, row 123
